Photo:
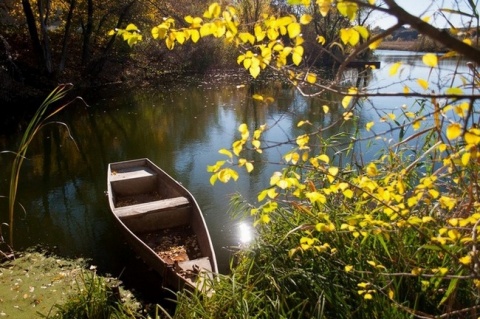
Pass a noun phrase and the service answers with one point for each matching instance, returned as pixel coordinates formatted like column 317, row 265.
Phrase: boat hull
column 154, row 211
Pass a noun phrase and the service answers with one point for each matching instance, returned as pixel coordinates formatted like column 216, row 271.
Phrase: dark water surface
column 180, row 128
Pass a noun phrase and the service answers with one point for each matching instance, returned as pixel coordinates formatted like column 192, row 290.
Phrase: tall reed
column 39, row 120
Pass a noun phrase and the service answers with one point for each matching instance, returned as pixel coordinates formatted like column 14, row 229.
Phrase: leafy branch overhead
column 395, row 231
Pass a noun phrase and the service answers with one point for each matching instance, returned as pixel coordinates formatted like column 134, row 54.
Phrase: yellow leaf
column 301, row 123
column 272, row 193
column 371, row 169
column 321, row 40
column 214, row 11
column 247, row 37
column 206, row 29
column 324, row 6
column 426, row 219
column 391, row 294
column 237, row 147
column 324, row 158
column 249, row 166
column 305, row 19
column 213, row 179
column 430, row 59
column 316, row 197
column 257, row 97
column 265, row 219
column 394, row 68
column 443, row 270
column 311, row 78
column 362, row 30
column 226, row 174
column 434, row 193
column 349, row 36
column 406, row 89
column 295, row 158
column 294, row 30
column 454, row 91
column 465, row 260
column 297, row 55
column 195, row 36
column 225, row 152
column 305, row 156
column 363, row 285
column 416, row 124
column 333, row 171
column 346, row 101
column 454, row 130
column 348, row 268
column 423, row 83
column 416, row 271
column 285, row 20
column 254, row 71
column 472, row 137
column 180, row 37
column 326, row 109
column 375, row 44
column 243, row 128
column 132, row 27
column 348, row 193
column 369, row 125
column 302, row 140
column 259, row 33
column 347, row 9
column 466, row 158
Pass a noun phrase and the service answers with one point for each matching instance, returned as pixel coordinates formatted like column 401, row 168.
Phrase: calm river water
column 181, row 128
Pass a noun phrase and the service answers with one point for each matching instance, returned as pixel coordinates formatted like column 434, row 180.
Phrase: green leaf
column 451, row 288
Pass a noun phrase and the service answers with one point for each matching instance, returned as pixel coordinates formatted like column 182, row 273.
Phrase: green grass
column 95, row 298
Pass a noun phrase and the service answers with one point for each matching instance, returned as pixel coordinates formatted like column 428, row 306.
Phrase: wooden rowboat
column 162, row 222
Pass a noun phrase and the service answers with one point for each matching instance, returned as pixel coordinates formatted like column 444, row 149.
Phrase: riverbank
column 414, row 45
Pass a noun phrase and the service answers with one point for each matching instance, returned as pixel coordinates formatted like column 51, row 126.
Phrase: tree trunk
column 66, row 36
column 32, row 29
column 47, row 50
column 96, row 67
column 87, row 34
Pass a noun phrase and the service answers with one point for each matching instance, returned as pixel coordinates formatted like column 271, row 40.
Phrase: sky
column 422, row 8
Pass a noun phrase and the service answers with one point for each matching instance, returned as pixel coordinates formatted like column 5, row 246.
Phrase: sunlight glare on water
column 245, row 234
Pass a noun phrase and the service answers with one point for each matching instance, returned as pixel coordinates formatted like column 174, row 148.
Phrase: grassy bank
column 35, row 285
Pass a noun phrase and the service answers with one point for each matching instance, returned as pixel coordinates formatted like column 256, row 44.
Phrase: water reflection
column 181, row 129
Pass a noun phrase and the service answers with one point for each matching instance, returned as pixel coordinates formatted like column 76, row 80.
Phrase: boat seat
column 155, row 206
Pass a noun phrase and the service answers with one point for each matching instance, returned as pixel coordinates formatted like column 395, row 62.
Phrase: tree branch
column 436, row 34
